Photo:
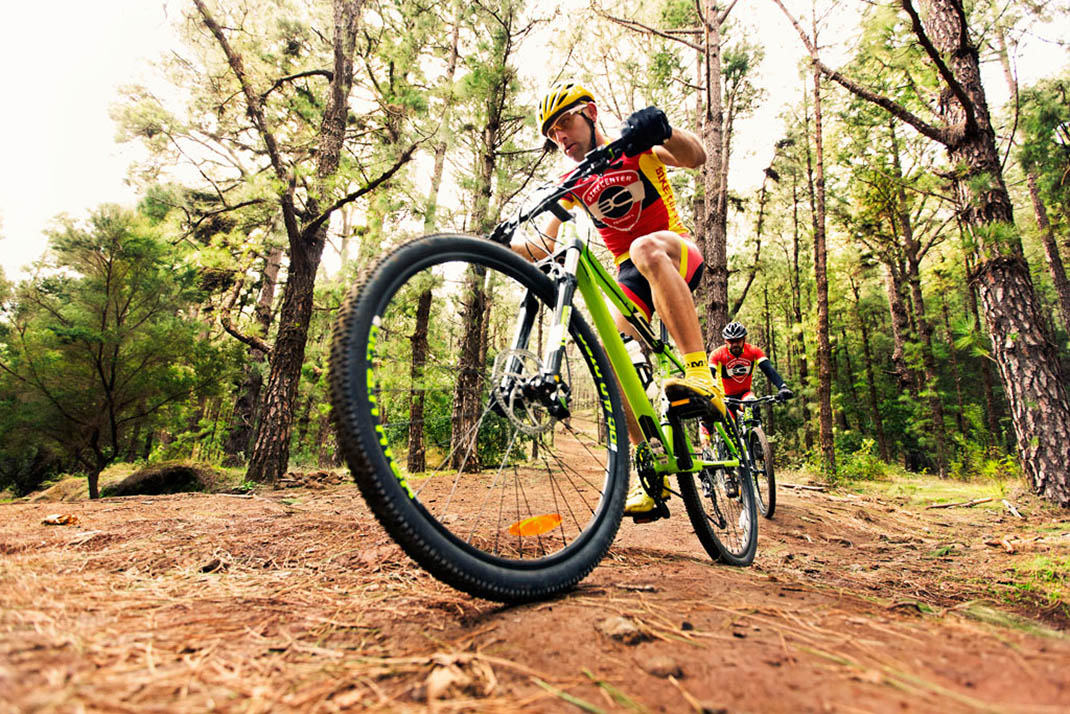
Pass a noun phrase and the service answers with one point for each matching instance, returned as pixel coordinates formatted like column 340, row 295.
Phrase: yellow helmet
column 559, row 99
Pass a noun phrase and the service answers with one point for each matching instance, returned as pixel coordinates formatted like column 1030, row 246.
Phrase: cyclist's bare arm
column 540, row 247
column 683, row 149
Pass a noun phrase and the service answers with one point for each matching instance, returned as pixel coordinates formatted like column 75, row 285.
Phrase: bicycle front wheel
column 506, row 495
column 761, row 455
column 721, row 507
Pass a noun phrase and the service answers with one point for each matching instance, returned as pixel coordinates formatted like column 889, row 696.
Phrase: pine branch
column 939, row 134
column 228, row 324
column 635, row 26
column 941, row 66
column 256, row 113
column 350, row 197
column 289, row 78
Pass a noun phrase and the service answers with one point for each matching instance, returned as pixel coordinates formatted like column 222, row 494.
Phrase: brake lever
column 503, row 233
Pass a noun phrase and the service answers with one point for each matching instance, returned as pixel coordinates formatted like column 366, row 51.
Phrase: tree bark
column 271, row 446
column 824, row 350
column 956, row 372
column 871, row 382
column 797, row 333
column 900, row 328
column 993, row 413
column 715, row 214
column 1051, row 250
column 1027, row 359
column 417, row 456
column 243, row 419
column 467, row 394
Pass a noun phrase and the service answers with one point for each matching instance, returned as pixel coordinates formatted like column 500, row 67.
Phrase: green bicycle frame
column 593, row 281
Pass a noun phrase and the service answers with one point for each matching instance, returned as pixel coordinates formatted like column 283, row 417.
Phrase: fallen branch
column 1012, row 509
column 802, row 487
column 964, row 504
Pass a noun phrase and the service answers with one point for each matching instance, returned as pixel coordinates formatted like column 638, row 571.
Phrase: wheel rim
column 511, row 483
column 724, row 502
column 761, row 484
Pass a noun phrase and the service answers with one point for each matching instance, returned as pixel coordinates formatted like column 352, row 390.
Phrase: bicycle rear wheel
column 761, row 454
column 721, row 507
column 492, row 492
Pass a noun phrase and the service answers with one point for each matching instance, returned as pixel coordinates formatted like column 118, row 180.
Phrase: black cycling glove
column 785, row 394
column 645, row 129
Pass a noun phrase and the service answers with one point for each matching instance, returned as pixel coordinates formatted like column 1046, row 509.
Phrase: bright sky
column 64, row 61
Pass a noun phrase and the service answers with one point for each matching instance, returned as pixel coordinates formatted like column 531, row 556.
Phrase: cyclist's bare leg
column 657, row 257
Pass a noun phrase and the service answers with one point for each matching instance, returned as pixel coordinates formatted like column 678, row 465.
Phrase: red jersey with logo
column 630, row 200
column 735, row 373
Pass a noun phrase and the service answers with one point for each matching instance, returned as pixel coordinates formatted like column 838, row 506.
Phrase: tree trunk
column 846, row 350
column 1051, row 250
column 241, row 432
column 1047, row 237
column 824, row 350
column 871, row 382
column 956, row 372
column 931, row 390
column 900, row 329
column 1027, row 359
column 417, row 456
column 715, row 216
column 770, row 346
column 467, row 402
column 271, row 446
column 993, row 413
column 797, row 335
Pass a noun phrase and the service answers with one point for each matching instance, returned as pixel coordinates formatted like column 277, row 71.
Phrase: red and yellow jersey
column 630, row 200
column 735, row 373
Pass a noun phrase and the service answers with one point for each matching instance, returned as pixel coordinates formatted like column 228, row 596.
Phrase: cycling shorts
column 637, row 288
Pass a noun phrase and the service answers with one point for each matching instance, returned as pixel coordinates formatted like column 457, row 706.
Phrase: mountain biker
column 733, row 364
column 633, row 206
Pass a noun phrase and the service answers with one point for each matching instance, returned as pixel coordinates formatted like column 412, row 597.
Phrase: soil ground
column 296, row 600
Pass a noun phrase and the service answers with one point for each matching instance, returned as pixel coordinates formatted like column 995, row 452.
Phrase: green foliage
column 975, row 460
column 1045, row 147
column 862, row 464
column 100, row 341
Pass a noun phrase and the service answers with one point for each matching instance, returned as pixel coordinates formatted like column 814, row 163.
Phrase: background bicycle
column 759, row 451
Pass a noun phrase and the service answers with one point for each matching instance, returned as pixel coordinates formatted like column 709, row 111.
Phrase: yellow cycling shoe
column 679, row 390
column 639, row 501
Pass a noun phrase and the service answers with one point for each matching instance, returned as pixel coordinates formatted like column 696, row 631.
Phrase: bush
column 178, row 477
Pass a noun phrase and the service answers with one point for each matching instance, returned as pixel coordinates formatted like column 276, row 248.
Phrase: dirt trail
column 296, row 600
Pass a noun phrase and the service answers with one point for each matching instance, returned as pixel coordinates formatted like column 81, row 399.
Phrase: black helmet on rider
column 734, row 331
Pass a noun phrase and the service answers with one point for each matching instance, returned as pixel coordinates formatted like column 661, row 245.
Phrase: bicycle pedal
column 691, row 406
column 659, row 511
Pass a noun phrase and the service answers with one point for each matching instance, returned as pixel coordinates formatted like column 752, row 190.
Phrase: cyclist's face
column 735, row 346
column 572, row 133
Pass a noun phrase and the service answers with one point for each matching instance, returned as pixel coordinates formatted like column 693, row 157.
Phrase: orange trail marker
column 536, row 525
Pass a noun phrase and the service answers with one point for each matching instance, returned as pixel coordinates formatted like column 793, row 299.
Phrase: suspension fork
column 547, row 385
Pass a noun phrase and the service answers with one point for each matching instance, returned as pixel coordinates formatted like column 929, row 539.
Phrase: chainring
column 644, row 466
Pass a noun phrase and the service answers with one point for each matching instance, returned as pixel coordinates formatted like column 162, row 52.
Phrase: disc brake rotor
column 512, row 368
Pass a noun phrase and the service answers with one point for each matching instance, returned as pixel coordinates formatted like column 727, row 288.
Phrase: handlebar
column 753, row 401
column 596, row 161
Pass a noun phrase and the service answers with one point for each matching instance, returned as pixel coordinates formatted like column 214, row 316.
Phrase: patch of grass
column 925, row 489
column 983, row 611
column 943, row 552
column 1046, row 577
